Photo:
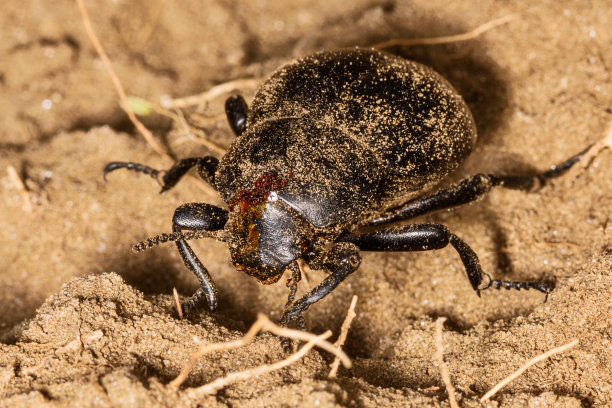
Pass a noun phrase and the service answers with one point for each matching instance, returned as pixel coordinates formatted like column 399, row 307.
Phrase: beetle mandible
column 332, row 142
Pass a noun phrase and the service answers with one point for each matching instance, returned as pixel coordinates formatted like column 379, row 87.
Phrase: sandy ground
column 85, row 322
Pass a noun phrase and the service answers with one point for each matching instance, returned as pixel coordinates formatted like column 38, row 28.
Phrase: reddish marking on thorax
column 262, row 187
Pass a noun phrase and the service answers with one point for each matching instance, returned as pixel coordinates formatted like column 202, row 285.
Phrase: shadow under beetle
column 333, row 142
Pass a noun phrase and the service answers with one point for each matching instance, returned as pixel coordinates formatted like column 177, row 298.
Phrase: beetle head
column 266, row 237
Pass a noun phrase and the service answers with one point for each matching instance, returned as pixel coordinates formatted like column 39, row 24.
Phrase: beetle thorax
column 265, row 237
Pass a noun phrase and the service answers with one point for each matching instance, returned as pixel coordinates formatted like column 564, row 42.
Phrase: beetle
column 336, row 148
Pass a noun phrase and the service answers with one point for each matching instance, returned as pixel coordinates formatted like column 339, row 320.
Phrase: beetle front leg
column 342, row 260
column 471, row 189
column 207, row 166
column 198, row 216
column 425, row 237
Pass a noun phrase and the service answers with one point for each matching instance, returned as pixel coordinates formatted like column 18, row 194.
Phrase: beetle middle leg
column 471, row 189
column 207, row 166
column 425, row 237
column 198, row 217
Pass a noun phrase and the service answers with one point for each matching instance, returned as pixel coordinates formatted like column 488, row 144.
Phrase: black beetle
column 333, row 142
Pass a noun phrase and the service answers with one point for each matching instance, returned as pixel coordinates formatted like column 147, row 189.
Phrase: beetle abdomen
column 410, row 117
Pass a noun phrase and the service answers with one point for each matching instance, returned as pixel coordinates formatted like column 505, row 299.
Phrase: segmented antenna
column 163, row 238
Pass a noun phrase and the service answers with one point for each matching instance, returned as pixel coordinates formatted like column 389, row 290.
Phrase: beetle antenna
column 163, row 238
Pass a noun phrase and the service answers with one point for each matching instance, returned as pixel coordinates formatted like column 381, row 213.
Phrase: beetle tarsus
column 561, row 168
column 539, row 286
column 292, row 283
column 191, row 303
column 137, row 167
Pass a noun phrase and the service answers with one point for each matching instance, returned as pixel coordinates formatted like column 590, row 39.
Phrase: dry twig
column 192, row 133
column 142, row 129
column 189, row 130
column 154, row 13
column 122, row 96
column 439, row 356
column 177, row 302
column 261, row 324
column 209, row 348
column 19, row 185
column 342, row 338
column 212, row 93
column 604, row 143
column 528, row 364
column 407, row 42
column 216, row 385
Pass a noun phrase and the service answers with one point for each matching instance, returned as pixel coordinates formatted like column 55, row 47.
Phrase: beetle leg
column 198, row 216
column 342, row 259
column 471, row 189
column 207, row 166
column 292, row 283
column 236, row 110
column 425, row 237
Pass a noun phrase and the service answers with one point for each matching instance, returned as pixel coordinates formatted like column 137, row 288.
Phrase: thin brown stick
column 122, row 96
column 154, row 13
column 350, row 315
column 604, row 143
column 209, row 348
column 146, row 133
column 439, row 356
column 212, row 93
column 203, row 140
column 407, row 42
column 306, row 336
column 20, row 186
column 177, row 302
column 192, row 133
column 261, row 324
column 216, row 385
column 528, row 364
